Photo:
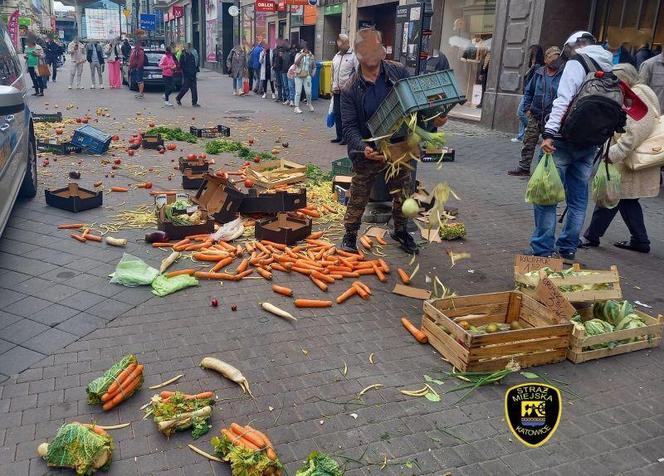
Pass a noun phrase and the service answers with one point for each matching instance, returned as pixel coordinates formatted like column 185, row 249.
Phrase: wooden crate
column 649, row 336
column 609, row 277
column 273, row 173
column 542, row 340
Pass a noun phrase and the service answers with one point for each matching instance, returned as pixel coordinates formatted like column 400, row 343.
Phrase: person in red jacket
column 136, row 64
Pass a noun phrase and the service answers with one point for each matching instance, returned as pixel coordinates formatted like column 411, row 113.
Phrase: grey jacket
column 236, row 62
column 651, row 73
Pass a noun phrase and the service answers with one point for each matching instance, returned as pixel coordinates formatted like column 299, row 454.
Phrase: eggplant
column 156, row 237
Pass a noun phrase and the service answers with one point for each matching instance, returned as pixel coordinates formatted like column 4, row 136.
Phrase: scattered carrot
column 264, row 273
column 119, row 189
column 419, row 335
column 237, row 440
column 380, row 240
column 78, row 238
column 207, row 275
column 379, row 273
column 200, row 396
column 321, row 285
column 181, row 272
column 243, row 266
column 310, row 213
column 243, row 274
column 284, row 291
column 161, row 245
column 71, row 226
column 352, row 291
column 363, row 286
column 315, row 235
column 312, row 303
column 221, row 264
column 404, row 276
column 384, row 265
column 280, row 267
column 366, row 242
column 90, row 237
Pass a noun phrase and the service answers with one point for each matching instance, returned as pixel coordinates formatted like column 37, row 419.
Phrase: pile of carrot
column 123, row 387
column 315, row 258
column 166, row 394
column 249, row 438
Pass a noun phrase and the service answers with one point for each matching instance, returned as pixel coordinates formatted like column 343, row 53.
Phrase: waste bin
column 326, row 79
column 315, row 82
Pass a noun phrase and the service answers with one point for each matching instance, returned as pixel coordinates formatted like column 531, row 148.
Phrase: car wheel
column 29, row 185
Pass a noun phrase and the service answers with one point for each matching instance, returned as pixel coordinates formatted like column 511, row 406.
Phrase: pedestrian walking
column 136, row 65
column 535, row 62
column 236, row 63
column 77, row 56
column 52, row 52
column 642, row 54
column 33, row 55
column 195, row 54
column 266, row 70
column 168, row 66
column 189, row 69
column 651, row 74
column 126, row 49
column 115, row 56
column 635, row 184
column 254, row 67
column 537, row 102
column 305, row 68
column 277, row 69
column 288, row 79
column 574, row 159
column 366, row 89
column 343, row 66
column 95, row 57
column 620, row 53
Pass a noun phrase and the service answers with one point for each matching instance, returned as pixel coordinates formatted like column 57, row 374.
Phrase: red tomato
column 171, row 146
column 191, row 157
column 202, row 156
column 248, row 183
column 131, row 152
column 118, row 161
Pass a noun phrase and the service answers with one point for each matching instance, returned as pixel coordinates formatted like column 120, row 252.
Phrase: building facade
column 34, row 16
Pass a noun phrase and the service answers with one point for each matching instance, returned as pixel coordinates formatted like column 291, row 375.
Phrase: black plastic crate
column 64, row 148
column 47, row 117
column 210, row 132
column 198, row 166
column 152, row 141
column 92, row 139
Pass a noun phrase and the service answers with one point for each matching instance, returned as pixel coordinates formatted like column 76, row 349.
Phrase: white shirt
column 343, row 65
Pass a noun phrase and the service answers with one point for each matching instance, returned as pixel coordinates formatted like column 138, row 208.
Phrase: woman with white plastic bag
column 634, row 184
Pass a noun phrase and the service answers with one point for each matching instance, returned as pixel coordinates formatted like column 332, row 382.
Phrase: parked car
column 152, row 76
column 18, row 156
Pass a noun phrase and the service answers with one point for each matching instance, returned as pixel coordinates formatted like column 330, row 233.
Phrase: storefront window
column 468, row 27
column 628, row 23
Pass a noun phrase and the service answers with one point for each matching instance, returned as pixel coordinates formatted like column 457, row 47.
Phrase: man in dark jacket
column 52, row 52
column 367, row 87
column 189, row 69
column 538, row 99
column 126, row 49
column 254, row 65
column 277, row 66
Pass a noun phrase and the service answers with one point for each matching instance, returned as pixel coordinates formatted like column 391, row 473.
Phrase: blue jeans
column 291, row 89
column 523, row 120
column 575, row 167
column 285, row 87
column 237, row 83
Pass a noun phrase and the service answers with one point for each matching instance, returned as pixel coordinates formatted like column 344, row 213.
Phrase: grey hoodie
column 570, row 82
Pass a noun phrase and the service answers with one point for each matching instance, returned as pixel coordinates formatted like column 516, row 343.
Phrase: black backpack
column 596, row 111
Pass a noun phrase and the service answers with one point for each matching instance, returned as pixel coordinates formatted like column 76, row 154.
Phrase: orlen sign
column 265, row 6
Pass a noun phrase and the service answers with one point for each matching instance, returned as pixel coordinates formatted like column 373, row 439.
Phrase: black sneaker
column 406, row 241
column 178, row 101
column 519, row 173
column 349, row 242
column 335, row 141
column 568, row 258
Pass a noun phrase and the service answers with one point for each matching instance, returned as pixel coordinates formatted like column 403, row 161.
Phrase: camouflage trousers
column 530, row 139
column 364, row 175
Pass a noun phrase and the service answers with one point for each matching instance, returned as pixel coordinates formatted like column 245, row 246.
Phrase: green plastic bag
column 163, row 286
column 132, row 271
column 545, row 186
column 606, row 186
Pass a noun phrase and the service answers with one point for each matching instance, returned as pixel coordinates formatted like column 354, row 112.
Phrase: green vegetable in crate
column 173, row 133
column 176, row 213
column 612, row 311
column 545, row 186
column 319, row 464
column 113, row 379
column 595, row 327
column 84, row 448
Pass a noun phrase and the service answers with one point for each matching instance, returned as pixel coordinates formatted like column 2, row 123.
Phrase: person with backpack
column 634, row 184
column 537, row 101
column 585, row 114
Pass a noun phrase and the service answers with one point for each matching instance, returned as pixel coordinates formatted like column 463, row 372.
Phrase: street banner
column 211, row 41
column 12, row 28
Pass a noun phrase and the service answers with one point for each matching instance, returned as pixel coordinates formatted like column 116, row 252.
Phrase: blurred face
column 551, row 59
column 370, row 51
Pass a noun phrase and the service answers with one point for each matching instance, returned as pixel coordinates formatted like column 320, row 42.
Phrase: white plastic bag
column 229, row 231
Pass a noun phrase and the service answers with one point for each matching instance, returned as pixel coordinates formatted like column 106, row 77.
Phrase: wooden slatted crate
column 541, row 339
column 610, row 278
column 648, row 337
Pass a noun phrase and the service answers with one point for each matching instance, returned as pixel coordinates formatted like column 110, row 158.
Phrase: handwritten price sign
column 549, row 295
column 526, row 264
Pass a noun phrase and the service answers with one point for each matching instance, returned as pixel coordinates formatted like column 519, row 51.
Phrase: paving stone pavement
column 62, row 324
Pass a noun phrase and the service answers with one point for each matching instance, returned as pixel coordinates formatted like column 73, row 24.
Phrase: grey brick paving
column 62, row 324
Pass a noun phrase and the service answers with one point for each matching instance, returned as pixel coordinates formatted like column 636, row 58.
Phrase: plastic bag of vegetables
column 545, row 186
column 606, row 186
column 319, row 464
column 163, row 286
column 84, row 448
column 132, row 271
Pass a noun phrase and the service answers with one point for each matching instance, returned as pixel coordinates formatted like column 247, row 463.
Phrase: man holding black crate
column 365, row 90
